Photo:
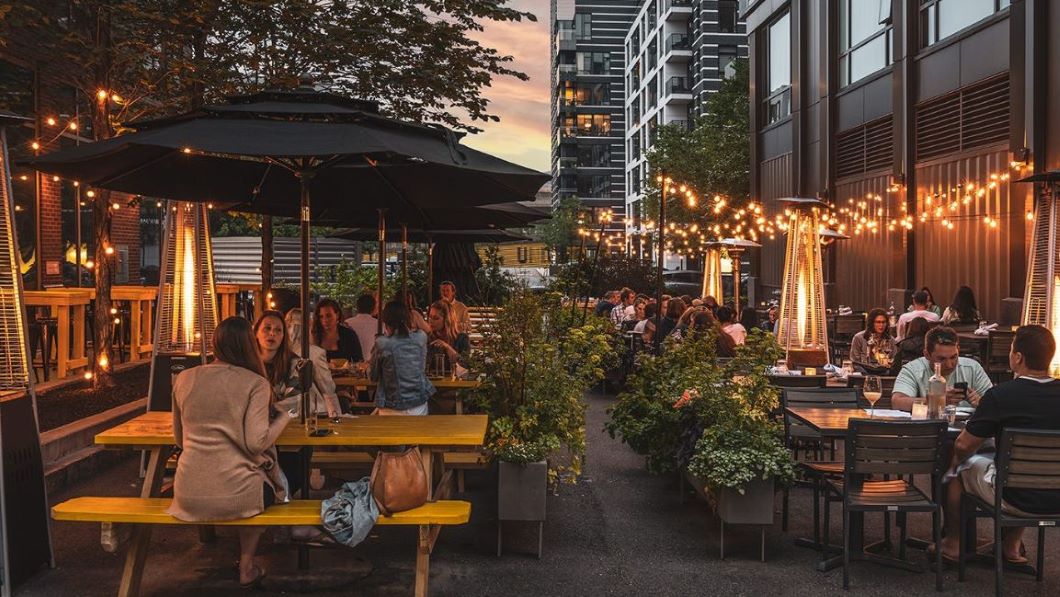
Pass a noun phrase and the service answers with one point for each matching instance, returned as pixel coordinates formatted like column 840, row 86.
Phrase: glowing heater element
column 1041, row 305
column 14, row 356
column 802, row 330
column 712, row 273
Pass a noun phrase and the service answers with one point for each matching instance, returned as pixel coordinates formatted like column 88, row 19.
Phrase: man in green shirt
column 940, row 346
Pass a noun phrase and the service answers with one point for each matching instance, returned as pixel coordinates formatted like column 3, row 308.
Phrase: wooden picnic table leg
column 141, row 534
column 62, row 313
column 427, row 536
column 78, row 320
column 135, row 339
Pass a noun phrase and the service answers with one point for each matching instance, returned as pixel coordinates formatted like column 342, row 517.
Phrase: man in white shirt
column 920, row 301
column 365, row 323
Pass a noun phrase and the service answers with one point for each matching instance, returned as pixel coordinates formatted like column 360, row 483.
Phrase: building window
column 940, row 19
column 583, row 25
column 594, row 156
column 865, row 38
column 778, row 70
column 522, row 254
column 727, row 16
column 594, row 125
column 597, row 185
column 727, row 61
column 594, row 63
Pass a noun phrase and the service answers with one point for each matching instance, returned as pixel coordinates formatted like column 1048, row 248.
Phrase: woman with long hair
column 280, row 356
column 445, row 337
column 962, row 309
column 873, row 348
column 727, row 319
column 226, row 426
column 397, row 364
column 416, row 319
column 338, row 341
column 703, row 322
column 675, row 308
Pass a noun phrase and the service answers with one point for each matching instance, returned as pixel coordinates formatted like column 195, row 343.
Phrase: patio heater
column 187, row 311
column 735, row 248
column 23, row 501
column 712, row 272
column 802, row 330
column 1042, row 303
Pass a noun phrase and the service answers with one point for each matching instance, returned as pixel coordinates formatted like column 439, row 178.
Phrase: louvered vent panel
column 974, row 116
column 865, row 148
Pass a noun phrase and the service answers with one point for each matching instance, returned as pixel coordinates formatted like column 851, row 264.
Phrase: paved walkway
column 620, row 531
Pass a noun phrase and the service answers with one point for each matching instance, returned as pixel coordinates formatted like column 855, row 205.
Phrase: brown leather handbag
column 399, row 482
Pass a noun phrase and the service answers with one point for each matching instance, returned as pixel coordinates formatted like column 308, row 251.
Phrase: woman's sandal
column 320, row 539
column 255, row 584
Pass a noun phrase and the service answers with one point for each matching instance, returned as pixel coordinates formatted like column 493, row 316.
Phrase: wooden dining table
column 833, row 423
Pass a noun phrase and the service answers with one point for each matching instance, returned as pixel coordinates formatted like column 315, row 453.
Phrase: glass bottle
column 891, row 318
column 936, row 393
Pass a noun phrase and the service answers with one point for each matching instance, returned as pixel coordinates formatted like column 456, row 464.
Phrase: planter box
column 521, row 491
column 754, row 506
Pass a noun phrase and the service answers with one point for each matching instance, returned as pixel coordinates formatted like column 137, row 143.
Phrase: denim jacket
column 399, row 365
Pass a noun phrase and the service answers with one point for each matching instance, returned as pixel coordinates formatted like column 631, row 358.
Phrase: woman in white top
column 727, row 319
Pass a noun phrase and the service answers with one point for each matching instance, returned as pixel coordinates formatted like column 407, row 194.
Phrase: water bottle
column 936, row 393
column 891, row 316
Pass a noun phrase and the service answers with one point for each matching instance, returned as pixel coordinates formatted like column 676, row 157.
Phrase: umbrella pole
column 381, row 269
column 405, row 264
column 430, row 271
column 306, row 377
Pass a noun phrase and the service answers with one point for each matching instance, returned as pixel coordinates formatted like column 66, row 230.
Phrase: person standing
column 920, row 309
column 226, row 428
column 458, row 310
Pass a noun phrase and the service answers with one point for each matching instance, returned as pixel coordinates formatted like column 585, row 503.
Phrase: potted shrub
column 538, row 360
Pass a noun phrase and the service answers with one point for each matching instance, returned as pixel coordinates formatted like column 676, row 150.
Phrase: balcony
column 567, row 72
column 681, row 124
column 565, row 105
column 678, row 48
column 566, row 40
column 678, row 91
column 677, row 10
column 568, row 164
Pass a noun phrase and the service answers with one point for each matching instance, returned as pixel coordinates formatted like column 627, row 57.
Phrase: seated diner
column 940, row 346
column 397, row 364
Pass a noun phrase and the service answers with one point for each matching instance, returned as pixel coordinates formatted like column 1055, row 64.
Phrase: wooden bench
column 152, row 511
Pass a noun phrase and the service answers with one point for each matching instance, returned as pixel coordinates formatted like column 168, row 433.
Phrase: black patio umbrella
column 299, row 153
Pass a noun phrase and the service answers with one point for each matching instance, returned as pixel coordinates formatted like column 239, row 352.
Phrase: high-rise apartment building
column 588, row 121
column 677, row 53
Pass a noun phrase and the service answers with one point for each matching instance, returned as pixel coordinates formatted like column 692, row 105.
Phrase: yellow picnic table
column 153, row 432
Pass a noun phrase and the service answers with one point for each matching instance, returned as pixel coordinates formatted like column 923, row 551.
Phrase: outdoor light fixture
column 187, row 312
column 23, row 501
column 712, row 272
column 1042, row 303
column 735, row 248
column 802, row 330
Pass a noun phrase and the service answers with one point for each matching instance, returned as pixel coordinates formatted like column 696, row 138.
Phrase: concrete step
column 69, row 452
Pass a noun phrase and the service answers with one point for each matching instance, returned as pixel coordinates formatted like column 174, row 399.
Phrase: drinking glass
column 782, row 366
column 848, row 368
column 873, row 390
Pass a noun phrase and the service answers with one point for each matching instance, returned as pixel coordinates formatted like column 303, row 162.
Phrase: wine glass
column 873, row 390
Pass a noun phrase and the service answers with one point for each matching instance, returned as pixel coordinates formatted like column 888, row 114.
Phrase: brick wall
column 125, row 231
column 50, row 231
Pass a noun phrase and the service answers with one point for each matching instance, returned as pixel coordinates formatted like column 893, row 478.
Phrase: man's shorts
column 978, row 480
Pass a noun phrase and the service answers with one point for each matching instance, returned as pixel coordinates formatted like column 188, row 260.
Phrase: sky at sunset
column 522, row 135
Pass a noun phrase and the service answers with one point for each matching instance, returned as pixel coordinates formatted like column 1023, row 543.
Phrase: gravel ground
column 620, row 531
column 78, row 400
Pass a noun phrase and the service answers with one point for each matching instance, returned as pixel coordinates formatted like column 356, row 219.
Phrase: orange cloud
column 523, row 134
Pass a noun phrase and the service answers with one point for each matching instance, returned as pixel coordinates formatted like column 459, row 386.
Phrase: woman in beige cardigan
column 222, row 422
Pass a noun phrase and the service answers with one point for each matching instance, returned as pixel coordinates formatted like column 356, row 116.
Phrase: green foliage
column 560, row 231
column 537, row 361
column 613, row 272
column 346, row 280
column 495, row 285
column 685, row 401
column 714, row 157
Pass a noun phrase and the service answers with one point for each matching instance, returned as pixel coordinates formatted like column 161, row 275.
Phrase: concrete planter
column 521, row 490
column 753, row 506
